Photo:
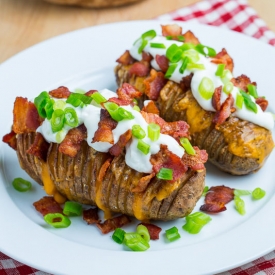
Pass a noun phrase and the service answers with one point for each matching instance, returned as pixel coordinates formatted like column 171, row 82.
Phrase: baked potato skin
column 77, row 179
column 228, row 146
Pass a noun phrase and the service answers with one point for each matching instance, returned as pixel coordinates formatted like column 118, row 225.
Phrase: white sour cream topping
column 264, row 119
column 90, row 116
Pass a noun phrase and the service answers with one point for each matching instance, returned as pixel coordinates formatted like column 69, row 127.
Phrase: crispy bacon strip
column 224, row 58
column 117, row 148
column 216, row 98
column 47, row 205
column 173, row 30
column 11, row 140
column 154, row 83
column 40, row 147
column 163, row 62
column 111, row 224
column 120, row 102
column 153, row 230
column 216, row 199
column 195, row 162
column 103, row 169
column 128, row 92
column 91, row 215
column 60, row 92
column 262, row 102
column 151, row 107
column 71, row 143
column 225, row 111
column 165, row 158
column 189, row 37
column 143, row 183
column 25, row 116
column 242, row 81
column 140, row 68
column 105, row 127
column 126, row 58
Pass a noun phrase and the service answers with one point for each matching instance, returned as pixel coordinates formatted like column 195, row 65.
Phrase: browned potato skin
column 76, row 179
column 207, row 136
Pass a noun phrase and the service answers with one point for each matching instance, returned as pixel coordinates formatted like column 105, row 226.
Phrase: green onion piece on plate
column 57, row 220
column 239, row 192
column 57, row 120
column 118, row 235
column 153, row 131
column 220, row 69
column 72, row 208
column 21, row 185
column 165, row 174
column 135, row 242
column 71, row 118
column 172, row 234
column 205, row 190
column 199, row 218
column 187, row 146
column 258, row 193
column 239, row 205
column 143, row 232
column 192, row 227
column 143, row 147
column 206, row 88
column 138, row 132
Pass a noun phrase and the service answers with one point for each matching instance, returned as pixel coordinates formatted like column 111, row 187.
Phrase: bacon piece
column 11, row 140
column 143, row 183
column 60, row 92
column 91, row 215
column 216, row 98
column 147, row 57
column 225, row 111
column 25, row 116
column 195, row 162
column 154, row 83
column 111, row 224
column 242, row 81
column 105, row 127
column 151, row 107
column 126, row 58
column 165, row 158
column 224, row 58
column 185, row 83
column 89, row 93
column 47, row 205
column 71, row 143
column 189, row 37
column 153, row 230
column 139, row 69
column 103, row 169
column 262, row 102
column 128, row 92
column 120, row 102
column 117, row 148
column 173, row 30
column 163, row 62
column 40, row 147
column 216, row 199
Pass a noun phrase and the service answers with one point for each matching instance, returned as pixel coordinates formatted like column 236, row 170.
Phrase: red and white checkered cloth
column 236, row 15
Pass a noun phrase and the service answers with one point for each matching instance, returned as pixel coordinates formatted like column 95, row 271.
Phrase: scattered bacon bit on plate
column 91, row 215
column 47, row 205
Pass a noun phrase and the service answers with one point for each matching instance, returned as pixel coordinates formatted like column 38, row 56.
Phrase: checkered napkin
column 236, row 15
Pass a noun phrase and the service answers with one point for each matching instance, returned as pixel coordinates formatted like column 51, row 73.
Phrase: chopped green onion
column 71, row 118
column 181, row 38
column 169, row 37
column 136, row 108
column 138, row 132
column 226, row 76
column 205, row 190
column 174, row 53
column 112, row 108
column 57, row 120
column 98, row 98
column 21, row 185
column 228, row 88
column 239, row 101
column 239, row 205
column 187, row 146
column 187, row 46
column 192, row 227
column 118, row 235
column 153, row 131
column 191, row 66
column 192, row 55
column 250, row 105
column 157, row 45
column 72, row 208
column 170, row 70
column 238, row 192
column 149, row 35
column 220, row 69
column 59, row 104
column 172, row 234
column 57, row 220
column 143, row 147
column 60, row 136
column 142, row 45
column 135, row 242
column 252, row 90
column 183, row 66
column 143, row 232
column 124, row 114
column 40, row 103
column 205, row 50
column 258, row 193
column 206, row 88
column 78, row 99
column 79, row 91
column 199, row 218
column 165, row 174
column 49, row 109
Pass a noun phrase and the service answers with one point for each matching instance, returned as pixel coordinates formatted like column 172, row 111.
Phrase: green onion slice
column 21, row 185
column 258, row 193
column 220, row 70
column 79, row 91
column 138, row 132
column 205, row 50
column 157, row 45
column 79, row 99
column 57, row 220
column 135, row 242
column 59, row 104
column 181, row 38
column 169, row 37
column 136, row 108
column 205, row 190
column 172, row 234
column 206, row 88
column 226, row 76
column 98, row 98
column 252, row 90
column 72, row 208
column 49, row 108
column 192, row 227
column 143, row 232
column 199, row 218
column 250, row 105
column 40, row 103
column 187, row 146
column 124, row 114
column 187, row 46
column 239, row 192
column 239, row 101
column 149, row 35
column 174, row 53
column 228, row 88
column 71, row 118
column 153, row 131
column 142, row 45
column 192, row 55
column 165, row 174
column 118, row 235
column 112, row 108
column 183, row 66
column 60, row 136
column 170, row 70
column 143, row 147
column 57, row 120
column 191, row 66
column 239, row 205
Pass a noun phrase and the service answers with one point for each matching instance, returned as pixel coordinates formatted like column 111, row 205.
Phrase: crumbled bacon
column 225, row 111
column 103, row 169
column 242, row 81
column 151, row 107
column 71, row 143
column 216, row 199
column 195, row 162
column 153, row 230
column 11, row 140
column 189, row 37
column 143, row 183
column 60, row 92
column 40, row 147
column 153, row 84
column 167, row 159
column 111, row 224
column 117, row 148
column 91, row 215
column 185, row 83
column 147, row 57
column 173, row 30
column 139, row 69
column 126, row 58
column 216, row 98
column 120, row 102
column 105, row 126
column 47, row 205
column 224, row 58
column 25, row 116
column 163, row 62
column 128, row 92
column 262, row 102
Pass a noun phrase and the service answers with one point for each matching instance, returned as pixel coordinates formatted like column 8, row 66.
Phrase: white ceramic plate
column 85, row 59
